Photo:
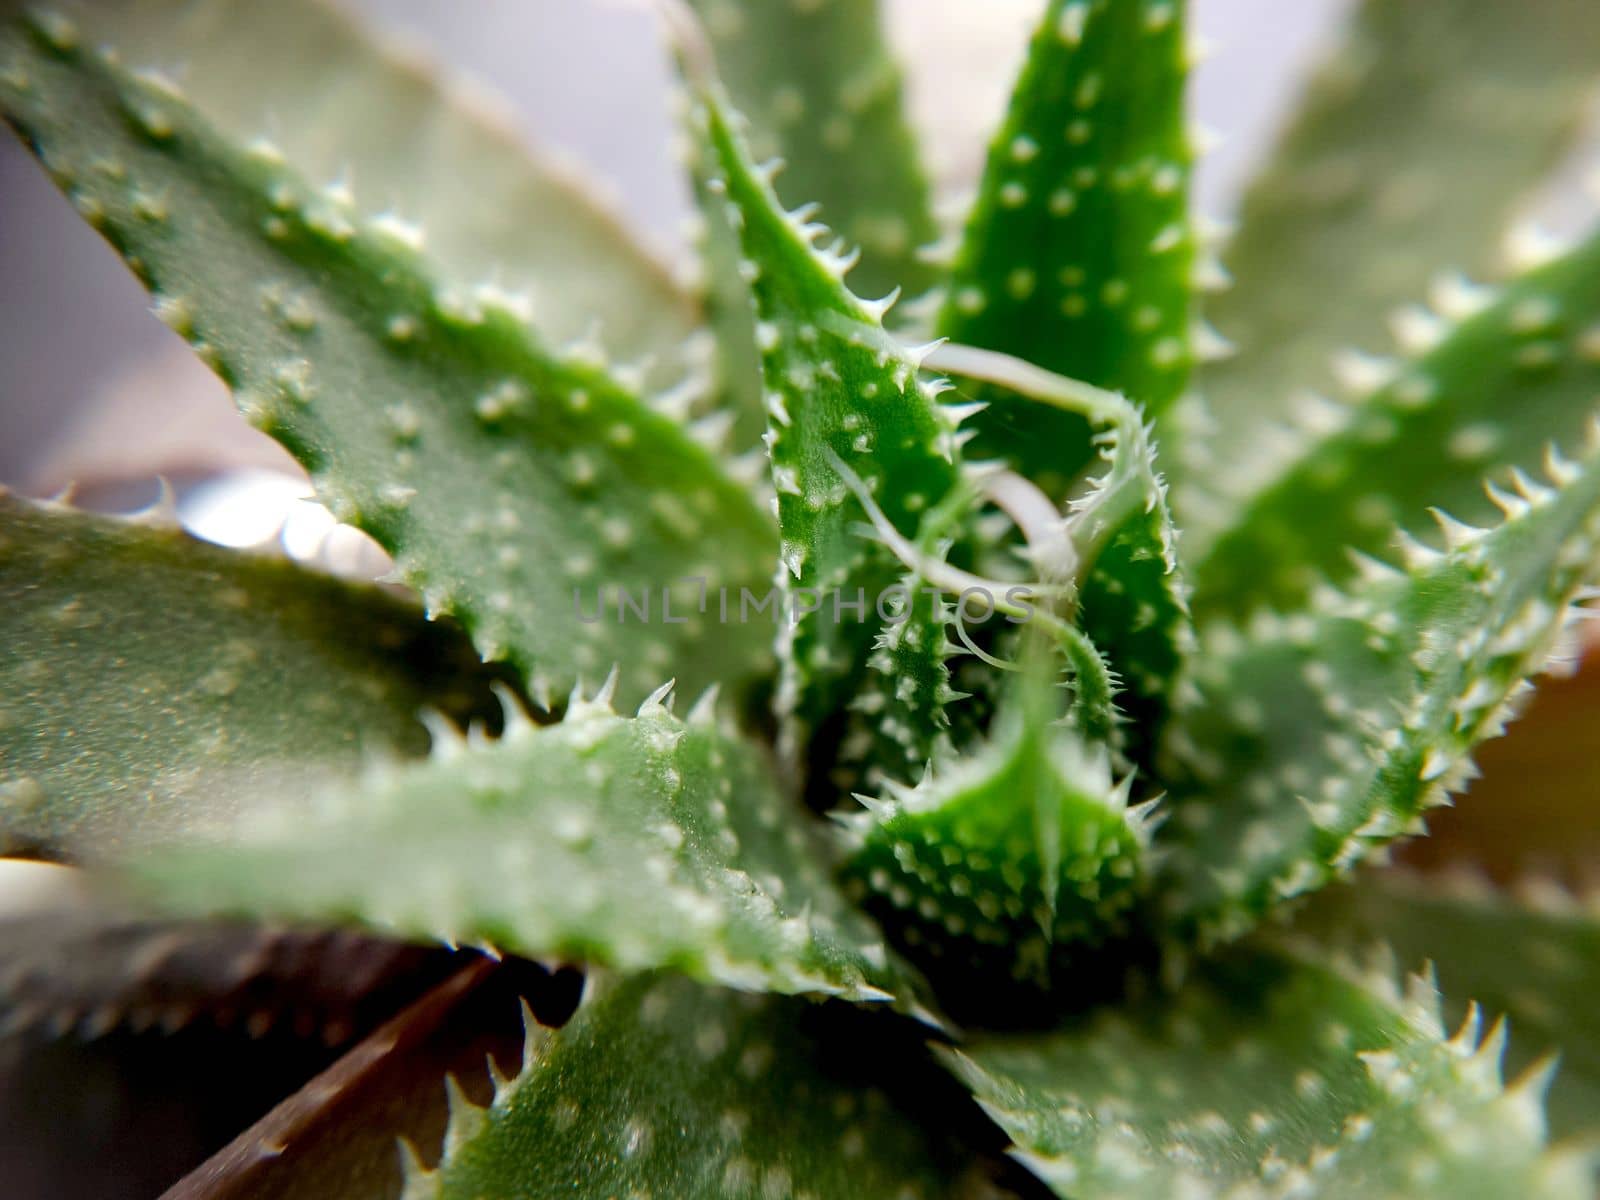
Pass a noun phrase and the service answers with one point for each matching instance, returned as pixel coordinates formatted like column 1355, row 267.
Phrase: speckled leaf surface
column 151, row 684
column 1498, row 376
column 1531, row 952
column 822, row 91
column 1306, row 742
column 634, row 842
column 1008, row 861
column 1078, row 253
column 1268, row 1078
column 664, row 1088
column 516, row 487
column 840, row 393
column 347, row 105
column 1412, row 151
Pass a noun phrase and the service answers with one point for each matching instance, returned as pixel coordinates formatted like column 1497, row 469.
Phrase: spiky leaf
column 664, row 1088
column 131, row 710
column 633, row 842
column 1416, row 143
column 823, row 92
column 1306, row 742
column 1532, row 953
column 502, row 475
column 348, row 107
column 846, row 411
column 1269, row 1078
column 1007, row 862
column 1078, row 254
column 1505, row 373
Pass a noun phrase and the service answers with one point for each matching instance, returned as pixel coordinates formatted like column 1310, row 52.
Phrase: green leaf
column 1505, row 373
column 1532, row 954
column 630, row 842
column 1004, row 863
column 853, row 433
column 512, row 483
column 663, row 1088
column 133, row 710
column 1306, row 742
column 822, row 91
column 1414, row 147
column 1267, row 1078
column 405, row 139
column 1078, row 253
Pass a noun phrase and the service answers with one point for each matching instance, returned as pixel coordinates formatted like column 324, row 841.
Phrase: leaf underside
column 133, row 713
column 516, row 487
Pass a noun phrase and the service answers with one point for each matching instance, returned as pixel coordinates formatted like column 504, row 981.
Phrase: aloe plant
column 977, row 862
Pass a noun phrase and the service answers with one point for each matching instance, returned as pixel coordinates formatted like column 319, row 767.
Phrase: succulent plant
column 1024, row 828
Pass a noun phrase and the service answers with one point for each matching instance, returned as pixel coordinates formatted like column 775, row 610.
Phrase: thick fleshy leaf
column 1268, row 1078
column 664, row 1088
column 850, row 425
column 1531, row 952
column 822, row 91
column 1306, row 742
column 1078, row 254
column 631, row 842
column 150, row 683
column 407, row 140
column 1414, row 147
column 1498, row 377
column 503, row 476
column 1003, row 864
